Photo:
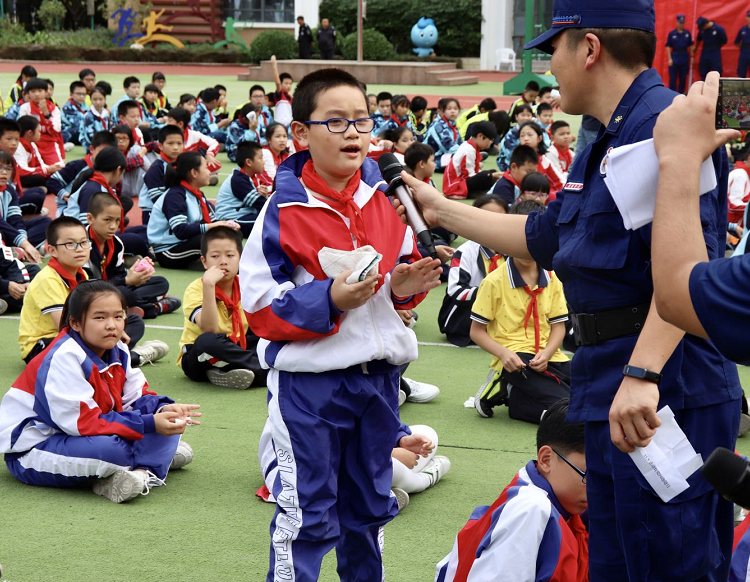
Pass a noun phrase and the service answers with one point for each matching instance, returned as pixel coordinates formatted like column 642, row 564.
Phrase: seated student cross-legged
column 80, row 414
column 217, row 344
column 172, row 144
column 182, row 215
column 533, row 530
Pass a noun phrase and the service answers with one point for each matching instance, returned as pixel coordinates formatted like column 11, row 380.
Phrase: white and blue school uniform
column 239, row 200
column 203, row 121
column 72, row 417
column 153, row 187
column 392, row 123
column 333, row 376
column 238, row 132
column 175, row 218
column 92, row 122
column 443, row 137
column 61, row 182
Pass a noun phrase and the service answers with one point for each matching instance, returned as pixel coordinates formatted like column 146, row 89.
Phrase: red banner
column 728, row 13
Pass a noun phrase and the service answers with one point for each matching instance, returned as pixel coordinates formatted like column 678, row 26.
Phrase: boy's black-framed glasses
column 341, row 124
column 73, row 246
column 572, row 466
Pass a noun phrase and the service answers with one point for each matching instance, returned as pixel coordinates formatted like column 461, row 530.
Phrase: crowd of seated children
column 171, row 144
column 522, row 114
column 51, row 145
column 217, row 345
column 523, row 161
column 277, row 149
column 91, row 419
column 244, row 193
column 469, row 266
column 532, row 135
column 533, row 530
column 481, row 109
column 182, row 215
column 442, row 135
column 560, row 153
column 463, row 177
column 73, row 113
column 518, row 317
column 145, row 293
column 97, row 118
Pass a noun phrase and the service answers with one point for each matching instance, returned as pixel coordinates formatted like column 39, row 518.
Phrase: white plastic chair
column 505, row 56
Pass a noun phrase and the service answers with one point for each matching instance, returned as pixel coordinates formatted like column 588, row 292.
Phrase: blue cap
column 701, row 22
column 635, row 14
column 680, row 18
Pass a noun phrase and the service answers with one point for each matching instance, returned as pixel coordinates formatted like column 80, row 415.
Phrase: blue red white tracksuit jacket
column 333, row 383
column 72, row 416
column 525, row 535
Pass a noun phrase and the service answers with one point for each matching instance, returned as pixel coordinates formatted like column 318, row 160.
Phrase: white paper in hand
column 669, row 459
column 362, row 262
column 632, row 176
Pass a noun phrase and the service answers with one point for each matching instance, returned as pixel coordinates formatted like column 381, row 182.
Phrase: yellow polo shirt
column 502, row 304
column 46, row 294
column 192, row 304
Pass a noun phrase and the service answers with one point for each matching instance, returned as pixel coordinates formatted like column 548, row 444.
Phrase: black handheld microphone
column 730, row 476
column 391, row 170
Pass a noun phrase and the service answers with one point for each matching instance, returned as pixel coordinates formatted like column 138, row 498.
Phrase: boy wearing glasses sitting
column 518, row 317
column 333, row 343
column 533, row 531
column 69, row 246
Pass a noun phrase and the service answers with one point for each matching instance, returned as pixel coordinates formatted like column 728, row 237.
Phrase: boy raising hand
column 334, row 348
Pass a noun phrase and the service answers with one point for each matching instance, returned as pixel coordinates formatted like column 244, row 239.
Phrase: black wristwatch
column 641, row 374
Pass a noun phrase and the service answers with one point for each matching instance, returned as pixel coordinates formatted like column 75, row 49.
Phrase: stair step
column 454, row 79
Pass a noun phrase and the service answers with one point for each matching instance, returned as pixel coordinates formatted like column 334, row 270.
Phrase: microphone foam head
column 390, row 167
column 724, row 470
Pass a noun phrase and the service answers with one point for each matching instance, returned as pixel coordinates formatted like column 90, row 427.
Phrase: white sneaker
column 421, row 392
column 67, row 146
column 161, row 348
column 437, row 468
column 122, row 485
column 402, row 498
column 4, row 307
column 401, row 397
column 182, row 456
column 239, row 379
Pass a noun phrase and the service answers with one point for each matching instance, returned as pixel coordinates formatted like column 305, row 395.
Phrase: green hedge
column 75, row 53
column 375, row 47
column 459, row 22
column 273, row 42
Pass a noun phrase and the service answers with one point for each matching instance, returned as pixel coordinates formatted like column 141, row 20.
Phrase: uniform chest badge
column 603, row 165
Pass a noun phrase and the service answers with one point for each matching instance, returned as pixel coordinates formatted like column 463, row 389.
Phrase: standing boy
column 333, row 348
column 282, row 98
column 216, row 344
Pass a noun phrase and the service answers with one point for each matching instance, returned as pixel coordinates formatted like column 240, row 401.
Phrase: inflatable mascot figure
column 424, row 35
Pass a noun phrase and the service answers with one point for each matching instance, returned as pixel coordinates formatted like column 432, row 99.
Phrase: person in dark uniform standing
column 743, row 41
column 304, row 39
column 713, row 37
column 630, row 362
column 326, row 39
column 678, row 43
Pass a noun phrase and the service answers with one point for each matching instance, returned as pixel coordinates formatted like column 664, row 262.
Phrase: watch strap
column 642, row 374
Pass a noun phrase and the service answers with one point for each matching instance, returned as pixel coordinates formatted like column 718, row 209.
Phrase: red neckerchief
column 102, row 181
column 283, row 95
column 210, row 115
column 88, row 160
column 166, row 159
column 341, row 201
column 201, row 200
column 265, row 117
column 277, row 159
column 235, row 312
column 565, row 156
column 81, row 111
column 162, row 101
column 70, row 280
column 398, row 122
column 533, row 311
column 493, row 262
column 27, row 146
column 136, row 140
column 107, row 254
column 102, row 116
column 45, row 122
column 510, row 178
column 451, row 127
